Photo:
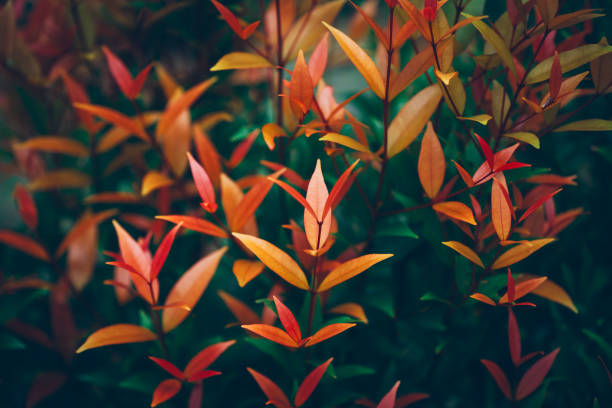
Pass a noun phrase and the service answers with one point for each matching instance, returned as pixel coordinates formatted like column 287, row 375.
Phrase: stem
column 313, row 282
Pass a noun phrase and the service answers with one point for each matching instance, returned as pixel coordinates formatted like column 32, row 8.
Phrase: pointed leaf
column 349, row 269
column 328, row 332
column 55, row 144
column 310, row 383
column 288, row 321
column 569, row 60
column 117, row 334
column 431, row 164
column 205, row 358
column 317, row 228
column 466, row 251
column 483, row 298
column 388, row 400
column 535, row 375
column 300, row 88
column 195, row 224
column 241, row 60
column 24, row 244
column 586, row 125
column 350, row 309
column 496, row 41
column 165, row 390
column 344, row 141
column 514, row 338
column 169, row 367
column 203, row 184
column 245, row 270
column 520, row 252
column 154, row 180
column 272, row 333
column 500, row 378
column 500, row 211
column 241, row 311
column 57, row 179
column 162, row 252
column 456, row 210
column 118, row 119
column 523, row 288
column 251, row 201
column 551, row 291
column 271, row 390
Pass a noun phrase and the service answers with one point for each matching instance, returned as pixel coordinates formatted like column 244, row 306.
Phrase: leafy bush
column 278, row 230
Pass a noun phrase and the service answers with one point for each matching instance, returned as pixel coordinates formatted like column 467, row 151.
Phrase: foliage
column 262, row 193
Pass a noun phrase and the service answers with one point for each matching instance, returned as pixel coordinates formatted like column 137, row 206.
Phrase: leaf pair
column 129, row 86
column 278, row 398
column 514, row 292
column 195, row 371
column 232, row 21
column 292, row 336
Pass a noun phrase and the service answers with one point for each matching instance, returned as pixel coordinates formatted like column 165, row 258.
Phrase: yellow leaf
column 412, row 118
column 350, row 269
column 586, row 125
column 483, row 119
column 154, row 180
column 344, row 141
column 456, row 210
column 189, row 288
column 117, row 334
column 350, row 309
column 445, row 77
column 465, row 251
column 431, row 163
column 275, row 259
column 241, row 60
column 551, row 291
column 55, row 144
column 176, row 140
column 361, row 60
column 270, row 132
column 245, row 270
column 59, row 179
column 520, row 252
column 526, row 137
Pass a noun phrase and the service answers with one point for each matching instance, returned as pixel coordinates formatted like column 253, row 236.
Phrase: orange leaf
column 500, row 211
column 82, row 257
column 56, row 179
column 165, row 390
column 24, row 244
column 275, row 259
column 361, row 60
column 523, row 288
column 288, row 320
column 206, row 357
column 310, row 383
column 432, row 164
column 203, row 185
column 189, row 288
column 350, row 309
column 118, row 119
column 300, row 88
column 272, row 333
column 55, row 144
column 483, row 298
column 208, row 155
column 270, row 132
column 340, row 189
column 251, row 201
column 242, row 149
column 466, row 251
column 180, row 104
column 456, row 210
column 380, row 34
column 154, row 180
column 327, row 332
column 195, row 224
column 520, row 252
column 117, row 334
column 465, row 176
column 296, row 195
column 350, row 269
column 274, row 394
column 241, row 311
column 245, row 270
column 417, row 17
column 416, row 67
column 551, row 291
column 317, row 195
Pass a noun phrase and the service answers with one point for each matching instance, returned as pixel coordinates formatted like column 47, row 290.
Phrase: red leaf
column 310, row 383
column 139, row 81
column 486, row 150
column 206, row 357
column 388, row 400
column 202, row 375
column 242, row 149
column 288, row 320
column 229, row 17
column 555, row 77
column 119, row 71
column 318, row 60
column 24, row 244
column 339, row 189
column 77, row 94
column 44, row 385
column 27, row 207
column 195, row 224
column 165, row 390
column 272, row 391
column 510, row 287
column 203, row 185
column 162, row 252
column 500, row 378
column 295, row 194
column 512, row 166
column 409, row 399
column 514, row 338
column 535, row 375
column 537, row 204
column 169, row 367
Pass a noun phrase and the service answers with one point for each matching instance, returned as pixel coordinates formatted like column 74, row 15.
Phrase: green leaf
column 353, row 370
column 603, row 344
column 8, row 342
column 587, row 125
column 396, row 231
column 569, row 60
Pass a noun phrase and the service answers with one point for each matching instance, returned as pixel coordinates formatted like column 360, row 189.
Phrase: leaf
column 57, row 179
column 535, row 375
column 501, row 215
column 587, row 125
column 500, row 378
column 116, row 118
column 431, row 164
column 416, row 67
column 117, row 334
column 245, row 270
column 195, row 224
column 82, row 258
column 274, row 394
column 317, row 228
column 133, row 254
column 307, row 30
column 117, row 135
column 242, row 149
column 300, row 88
column 55, row 144
column 388, row 401
column 162, row 252
column 551, row 291
column 411, row 119
column 241, row 60
column 275, row 259
column 129, row 86
column 523, row 288
column 169, row 367
column 327, row 332
column 206, row 357
column 520, row 252
column 569, row 60
column 76, row 94
column 483, row 298
column 180, row 105
column 81, row 227
column 526, row 137
column 310, row 383
column 456, row 210
column 154, row 180
column 496, row 41
column 241, row 311
column 554, row 84
column 538, row 203
column 189, row 288
column 165, row 390
column 361, row 60
column 483, row 118
column 349, row 269
column 251, row 202
column 45, row 384
column 514, row 338
column 203, row 185
column 270, row 132
column 24, row 244
column 26, row 206
column 288, row 320
column 272, row 333
column 344, row 141
column 350, row 309
column 465, row 251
